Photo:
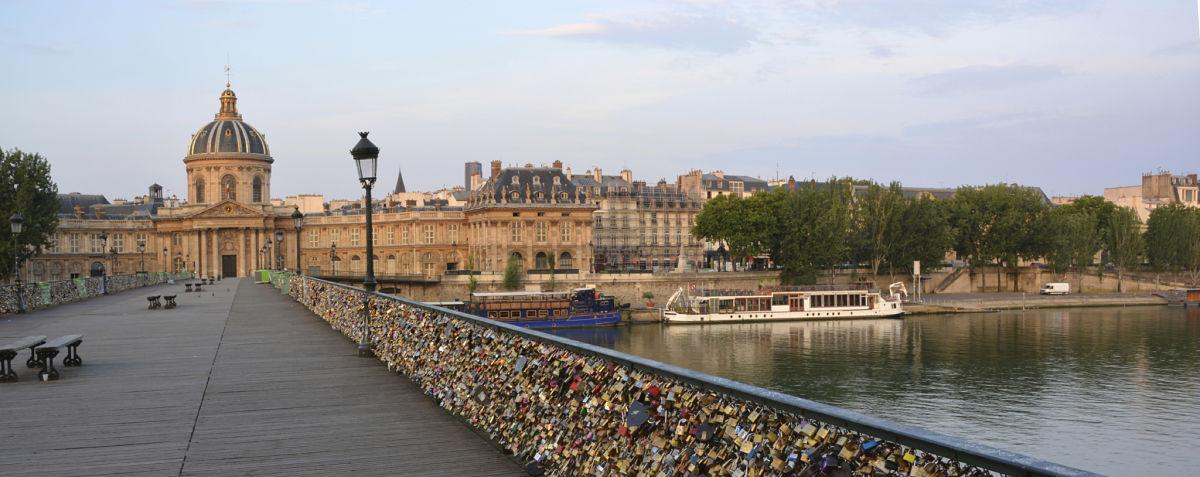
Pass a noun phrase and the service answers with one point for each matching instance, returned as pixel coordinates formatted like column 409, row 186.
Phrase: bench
column 154, row 303
column 187, row 287
column 170, row 301
column 10, row 350
column 47, row 351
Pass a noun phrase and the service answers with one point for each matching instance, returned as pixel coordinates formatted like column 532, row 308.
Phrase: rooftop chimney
column 568, row 173
column 720, row 174
column 558, row 165
column 627, row 175
column 596, row 174
column 495, row 169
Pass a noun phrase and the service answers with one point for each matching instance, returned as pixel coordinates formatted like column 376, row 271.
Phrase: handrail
column 933, row 443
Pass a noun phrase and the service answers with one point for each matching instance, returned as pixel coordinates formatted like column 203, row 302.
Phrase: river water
column 1110, row 390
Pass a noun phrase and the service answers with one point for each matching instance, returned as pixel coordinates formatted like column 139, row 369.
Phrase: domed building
column 228, row 159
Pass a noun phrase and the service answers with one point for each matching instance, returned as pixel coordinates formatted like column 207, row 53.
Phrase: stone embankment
column 977, row 302
column 568, row 408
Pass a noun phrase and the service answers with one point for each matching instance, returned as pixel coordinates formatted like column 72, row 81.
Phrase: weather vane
column 226, row 70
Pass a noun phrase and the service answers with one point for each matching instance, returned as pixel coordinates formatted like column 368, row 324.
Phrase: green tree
column 999, row 224
column 550, row 262
column 26, row 188
column 1124, row 240
column 472, row 282
column 1171, row 243
column 512, row 273
column 877, row 213
column 744, row 226
column 924, row 235
column 814, row 229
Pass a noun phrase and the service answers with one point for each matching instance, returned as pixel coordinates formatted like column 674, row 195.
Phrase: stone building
column 1156, row 191
column 529, row 214
column 221, row 230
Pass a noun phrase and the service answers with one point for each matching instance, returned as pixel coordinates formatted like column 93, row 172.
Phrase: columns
column 244, row 270
column 215, row 265
column 201, row 243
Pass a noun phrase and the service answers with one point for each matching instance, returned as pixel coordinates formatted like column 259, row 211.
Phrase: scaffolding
column 646, row 229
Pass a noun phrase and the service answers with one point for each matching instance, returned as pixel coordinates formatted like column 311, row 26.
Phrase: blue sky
column 1069, row 95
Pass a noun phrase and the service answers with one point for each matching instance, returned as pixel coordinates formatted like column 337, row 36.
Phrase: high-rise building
column 471, row 169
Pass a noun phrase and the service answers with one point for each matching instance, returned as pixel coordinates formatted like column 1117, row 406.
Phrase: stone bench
column 187, row 287
column 47, row 351
column 170, row 301
column 154, row 303
column 9, row 351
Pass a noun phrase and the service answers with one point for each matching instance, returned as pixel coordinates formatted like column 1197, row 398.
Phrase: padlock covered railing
column 572, row 408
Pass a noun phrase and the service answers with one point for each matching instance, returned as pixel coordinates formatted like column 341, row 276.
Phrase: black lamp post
column 116, row 265
column 104, row 258
column 267, row 255
column 142, row 257
column 333, row 258
column 278, row 249
column 17, row 222
column 297, row 218
column 366, row 157
column 164, row 263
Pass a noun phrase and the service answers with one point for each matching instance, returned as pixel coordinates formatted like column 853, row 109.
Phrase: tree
column 923, row 234
column 1000, row 224
column 512, row 273
column 472, row 282
column 26, row 188
column 877, row 225
column 1124, row 240
column 1171, row 243
column 550, row 262
column 744, row 226
column 814, row 231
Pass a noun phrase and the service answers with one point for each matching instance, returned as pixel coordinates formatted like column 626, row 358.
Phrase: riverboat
column 815, row 302
column 577, row 308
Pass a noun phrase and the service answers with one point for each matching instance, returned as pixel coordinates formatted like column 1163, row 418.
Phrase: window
column 391, row 235
column 97, row 246
column 74, row 243
column 256, row 190
column 428, row 234
column 556, row 182
column 540, row 262
column 516, row 231
column 354, row 237
column 141, row 240
column 404, row 235
column 564, row 230
column 119, row 242
column 452, row 233
column 334, row 235
column 540, row 231
column 374, row 237
column 537, row 180
column 429, row 269
column 314, row 238
column 229, row 188
column 177, row 239
column 564, row 260
column 355, row 264
column 516, row 180
column 54, row 243
column 200, row 191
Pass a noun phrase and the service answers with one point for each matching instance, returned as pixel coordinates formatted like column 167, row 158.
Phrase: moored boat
column 576, row 308
column 813, row 302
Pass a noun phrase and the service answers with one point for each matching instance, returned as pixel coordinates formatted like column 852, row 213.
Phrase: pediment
column 228, row 208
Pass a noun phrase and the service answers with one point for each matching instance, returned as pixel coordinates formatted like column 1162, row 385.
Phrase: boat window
column 492, row 315
column 503, row 315
column 541, row 313
column 780, row 299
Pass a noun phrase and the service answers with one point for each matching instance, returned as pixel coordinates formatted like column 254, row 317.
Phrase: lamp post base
column 364, row 350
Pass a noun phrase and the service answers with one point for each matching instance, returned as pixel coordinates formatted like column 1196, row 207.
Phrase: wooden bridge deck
column 237, row 380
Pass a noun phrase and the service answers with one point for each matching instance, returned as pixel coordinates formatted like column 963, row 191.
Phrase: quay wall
column 569, row 408
column 46, row 294
column 629, row 287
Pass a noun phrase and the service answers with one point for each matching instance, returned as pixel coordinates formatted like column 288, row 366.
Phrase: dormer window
column 556, row 181
column 537, row 180
column 516, row 180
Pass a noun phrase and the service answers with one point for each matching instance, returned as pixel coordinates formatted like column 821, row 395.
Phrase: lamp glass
column 17, row 223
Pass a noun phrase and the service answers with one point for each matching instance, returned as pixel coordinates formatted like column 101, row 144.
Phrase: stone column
column 241, row 251
column 200, row 244
column 215, row 264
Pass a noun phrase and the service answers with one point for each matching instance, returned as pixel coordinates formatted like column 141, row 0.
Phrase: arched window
column 256, row 190
column 564, row 260
column 355, row 265
column 199, row 191
column 516, row 256
column 540, row 262
column 229, row 188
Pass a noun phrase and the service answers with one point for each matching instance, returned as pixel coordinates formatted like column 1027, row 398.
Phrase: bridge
column 238, row 379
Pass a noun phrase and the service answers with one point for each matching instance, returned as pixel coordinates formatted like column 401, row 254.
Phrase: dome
column 227, row 133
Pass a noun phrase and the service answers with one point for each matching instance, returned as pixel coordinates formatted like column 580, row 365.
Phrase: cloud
column 672, row 31
column 976, row 78
column 883, row 51
column 934, row 17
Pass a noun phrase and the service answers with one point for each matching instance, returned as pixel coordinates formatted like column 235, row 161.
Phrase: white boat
column 815, row 302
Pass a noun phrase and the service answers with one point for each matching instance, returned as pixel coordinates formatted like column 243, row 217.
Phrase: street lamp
column 16, row 222
column 267, row 254
column 278, row 249
column 333, row 258
column 297, row 218
column 104, row 258
column 164, row 262
column 366, row 157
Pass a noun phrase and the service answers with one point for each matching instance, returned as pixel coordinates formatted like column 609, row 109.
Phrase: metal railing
column 445, row 327
column 46, row 294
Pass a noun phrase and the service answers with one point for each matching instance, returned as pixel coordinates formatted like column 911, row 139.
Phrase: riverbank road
column 935, row 303
column 237, row 380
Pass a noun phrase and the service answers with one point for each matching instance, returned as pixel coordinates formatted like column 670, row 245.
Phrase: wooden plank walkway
column 238, row 380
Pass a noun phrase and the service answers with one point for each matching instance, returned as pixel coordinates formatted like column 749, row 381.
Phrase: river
column 1110, row 390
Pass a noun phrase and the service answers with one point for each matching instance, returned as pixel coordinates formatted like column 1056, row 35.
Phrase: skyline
column 1069, row 96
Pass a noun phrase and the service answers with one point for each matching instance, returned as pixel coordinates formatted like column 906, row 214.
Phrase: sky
column 1068, row 95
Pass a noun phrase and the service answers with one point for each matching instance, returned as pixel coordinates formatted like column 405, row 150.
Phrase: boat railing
column 405, row 332
column 711, row 292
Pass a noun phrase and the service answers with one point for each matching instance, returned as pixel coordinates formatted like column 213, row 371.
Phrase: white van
column 1056, row 289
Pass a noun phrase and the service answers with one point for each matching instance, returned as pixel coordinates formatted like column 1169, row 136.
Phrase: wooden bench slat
column 23, row 343
column 60, row 341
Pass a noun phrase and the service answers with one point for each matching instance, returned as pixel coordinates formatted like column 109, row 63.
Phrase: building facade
column 1156, row 190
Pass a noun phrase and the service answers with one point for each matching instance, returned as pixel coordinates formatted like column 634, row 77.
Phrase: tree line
column 820, row 226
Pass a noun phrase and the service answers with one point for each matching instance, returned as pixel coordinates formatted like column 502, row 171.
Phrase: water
column 1110, row 390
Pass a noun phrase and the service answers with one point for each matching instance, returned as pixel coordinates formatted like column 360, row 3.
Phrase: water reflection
column 1097, row 389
